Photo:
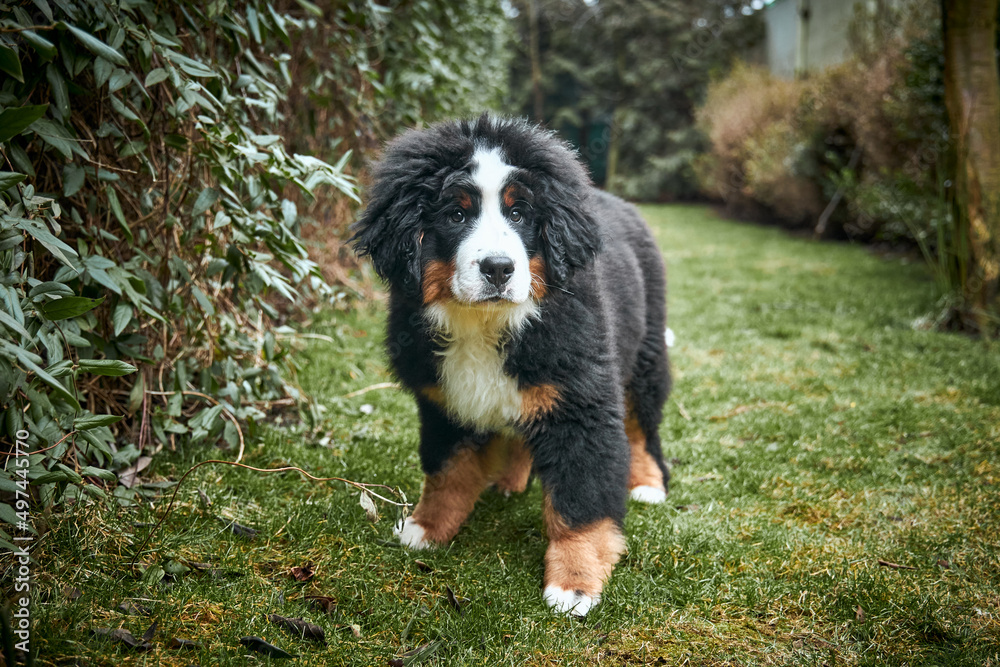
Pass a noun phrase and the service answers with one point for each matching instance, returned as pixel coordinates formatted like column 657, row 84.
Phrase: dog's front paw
column 563, row 601
column 648, row 494
column 412, row 535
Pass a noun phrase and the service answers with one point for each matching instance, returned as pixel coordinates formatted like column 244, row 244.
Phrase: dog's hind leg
column 645, row 396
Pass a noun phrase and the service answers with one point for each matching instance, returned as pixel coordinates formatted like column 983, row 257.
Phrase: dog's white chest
column 476, row 390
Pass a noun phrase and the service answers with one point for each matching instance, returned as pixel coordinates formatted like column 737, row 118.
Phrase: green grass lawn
column 813, row 432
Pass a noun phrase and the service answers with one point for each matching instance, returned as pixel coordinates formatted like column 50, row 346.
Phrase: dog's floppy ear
column 390, row 228
column 388, row 231
column 569, row 234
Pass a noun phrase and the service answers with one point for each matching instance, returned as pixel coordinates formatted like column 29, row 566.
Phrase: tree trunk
column 537, row 97
column 972, row 96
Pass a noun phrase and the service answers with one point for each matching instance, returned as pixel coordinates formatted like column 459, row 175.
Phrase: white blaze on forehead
column 491, row 236
column 491, row 173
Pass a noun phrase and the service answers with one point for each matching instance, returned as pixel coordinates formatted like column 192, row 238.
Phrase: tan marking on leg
column 537, row 401
column 643, row 470
column 514, row 478
column 436, row 284
column 580, row 559
column 537, row 268
column 448, row 496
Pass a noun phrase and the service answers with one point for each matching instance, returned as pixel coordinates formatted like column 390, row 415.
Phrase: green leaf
column 14, row 325
column 8, row 515
column 89, row 421
column 50, row 287
column 96, row 442
column 156, row 76
column 44, row 48
column 55, row 476
column 69, row 306
column 254, row 24
column 137, row 394
column 55, row 136
column 9, row 62
column 45, row 237
column 109, row 367
column 95, row 491
column 101, row 473
column 190, row 65
column 74, row 177
column 116, row 208
column 205, row 199
column 153, row 575
column 25, row 358
column 121, row 318
column 9, row 179
column 60, row 369
column 311, row 8
column 17, row 119
column 102, row 71
column 203, row 301
column 59, row 89
column 97, row 47
column 119, row 79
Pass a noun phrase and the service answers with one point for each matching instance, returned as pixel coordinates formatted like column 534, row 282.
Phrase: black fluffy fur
column 600, row 334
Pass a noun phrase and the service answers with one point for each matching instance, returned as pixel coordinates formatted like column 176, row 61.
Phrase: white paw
column 411, row 534
column 648, row 494
column 569, row 602
column 668, row 337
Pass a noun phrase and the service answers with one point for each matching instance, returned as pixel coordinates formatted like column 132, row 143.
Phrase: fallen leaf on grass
column 322, row 603
column 238, row 530
column 133, row 609
column 895, row 566
column 150, row 632
column 453, row 600
column 128, row 477
column 177, row 643
column 945, row 564
column 417, row 655
column 688, row 508
column 303, row 573
column 123, row 637
column 300, row 627
column 72, row 592
column 214, row 573
column 421, row 565
column 260, row 646
column 369, row 507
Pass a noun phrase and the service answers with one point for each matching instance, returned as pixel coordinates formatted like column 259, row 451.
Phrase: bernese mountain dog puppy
column 527, row 316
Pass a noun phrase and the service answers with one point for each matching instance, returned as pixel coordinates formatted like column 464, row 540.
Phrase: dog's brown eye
column 458, row 216
column 515, row 215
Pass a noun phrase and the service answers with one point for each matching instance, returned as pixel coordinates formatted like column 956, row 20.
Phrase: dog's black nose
column 497, row 269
